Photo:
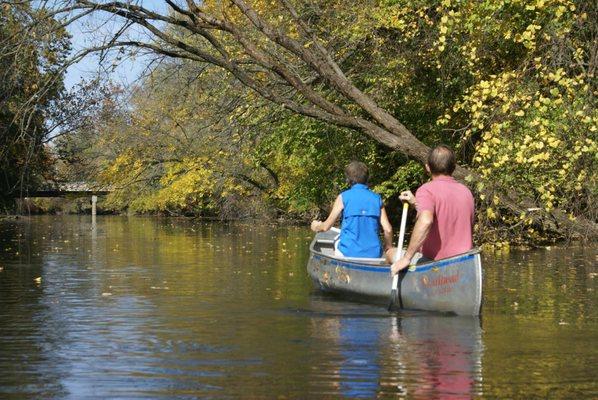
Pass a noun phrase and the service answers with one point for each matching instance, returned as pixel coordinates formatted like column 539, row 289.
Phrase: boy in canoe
column 363, row 214
column 445, row 211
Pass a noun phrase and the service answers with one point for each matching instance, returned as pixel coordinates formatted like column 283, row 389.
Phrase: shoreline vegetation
column 251, row 110
column 80, row 206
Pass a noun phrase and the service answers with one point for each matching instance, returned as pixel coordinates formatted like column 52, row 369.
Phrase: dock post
column 94, row 200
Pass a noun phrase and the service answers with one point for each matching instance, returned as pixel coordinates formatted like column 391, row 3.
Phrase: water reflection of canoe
column 443, row 357
column 448, row 285
column 371, row 354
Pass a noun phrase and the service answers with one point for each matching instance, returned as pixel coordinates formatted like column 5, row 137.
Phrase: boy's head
column 357, row 172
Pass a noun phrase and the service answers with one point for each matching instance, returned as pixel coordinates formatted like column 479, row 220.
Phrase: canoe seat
column 328, row 237
column 326, row 241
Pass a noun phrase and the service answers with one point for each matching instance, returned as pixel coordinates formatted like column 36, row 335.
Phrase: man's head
column 441, row 160
column 357, row 172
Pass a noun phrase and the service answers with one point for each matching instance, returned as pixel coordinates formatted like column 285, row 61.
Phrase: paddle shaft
column 402, row 229
column 395, row 278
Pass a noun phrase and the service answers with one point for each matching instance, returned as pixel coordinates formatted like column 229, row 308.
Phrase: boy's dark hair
column 441, row 160
column 357, row 172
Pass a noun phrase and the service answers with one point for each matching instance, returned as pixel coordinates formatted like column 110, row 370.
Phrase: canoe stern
column 454, row 285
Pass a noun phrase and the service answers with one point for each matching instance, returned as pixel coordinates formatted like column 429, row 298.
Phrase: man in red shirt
column 445, row 212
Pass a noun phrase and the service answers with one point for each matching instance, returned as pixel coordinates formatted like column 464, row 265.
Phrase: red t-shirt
column 453, row 208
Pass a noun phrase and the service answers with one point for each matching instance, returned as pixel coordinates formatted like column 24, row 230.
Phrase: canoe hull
column 450, row 285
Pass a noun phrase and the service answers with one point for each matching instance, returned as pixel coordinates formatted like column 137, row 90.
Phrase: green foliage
column 31, row 57
column 309, row 158
column 408, row 177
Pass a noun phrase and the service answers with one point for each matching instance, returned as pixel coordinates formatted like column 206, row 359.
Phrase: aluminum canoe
column 449, row 285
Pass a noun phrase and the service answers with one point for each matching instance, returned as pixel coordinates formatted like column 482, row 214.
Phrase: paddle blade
column 394, row 299
column 394, row 293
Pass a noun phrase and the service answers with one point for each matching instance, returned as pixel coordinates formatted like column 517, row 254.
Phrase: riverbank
column 485, row 237
column 82, row 206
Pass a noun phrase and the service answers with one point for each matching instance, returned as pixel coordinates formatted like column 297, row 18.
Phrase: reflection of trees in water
column 540, row 310
column 552, row 284
column 419, row 356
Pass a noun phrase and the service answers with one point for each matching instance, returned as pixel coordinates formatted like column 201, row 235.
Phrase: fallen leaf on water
column 38, row 280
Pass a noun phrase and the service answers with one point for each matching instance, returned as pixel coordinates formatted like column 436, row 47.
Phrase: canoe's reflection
column 417, row 355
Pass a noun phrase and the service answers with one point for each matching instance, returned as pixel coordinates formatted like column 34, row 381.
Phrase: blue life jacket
column 361, row 222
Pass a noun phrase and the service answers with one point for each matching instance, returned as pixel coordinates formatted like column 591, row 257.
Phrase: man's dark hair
column 441, row 160
column 357, row 172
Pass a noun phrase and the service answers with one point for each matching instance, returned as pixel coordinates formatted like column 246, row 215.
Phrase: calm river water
column 161, row 308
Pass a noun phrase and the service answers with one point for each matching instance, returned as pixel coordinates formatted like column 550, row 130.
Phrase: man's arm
column 420, row 232
column 337, row 208
column 386, row 229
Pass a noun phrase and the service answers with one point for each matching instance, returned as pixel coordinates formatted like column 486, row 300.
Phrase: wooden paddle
column 394, row 293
